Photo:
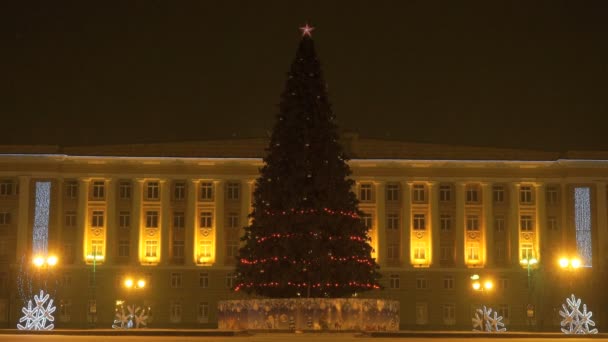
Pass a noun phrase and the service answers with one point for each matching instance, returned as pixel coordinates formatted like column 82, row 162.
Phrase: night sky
column 529, row 74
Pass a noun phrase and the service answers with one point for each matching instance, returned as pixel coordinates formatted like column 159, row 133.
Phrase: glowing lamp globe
column 476, row 286
column 488, row 285
column 563, row 262
column 129, row 282
column 38, row 261
column 52, row 260
column 141, row 283
column 576, row 262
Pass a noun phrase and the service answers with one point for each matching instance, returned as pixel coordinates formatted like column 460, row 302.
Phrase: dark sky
column 528, row 74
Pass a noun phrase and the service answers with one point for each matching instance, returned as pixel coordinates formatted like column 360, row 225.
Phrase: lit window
column 96, row 248
column 527, row 251
column 365, row 192
column 498, row 194
column 525, row 194
column 179, row 191
column 152, row 219
column 97, row 219
column 233, row 191
column 152, row 191
column 473, row 251
column 392, row 192
column 445, row 193
column 205, row 246
column 419, row 193
column 472, row 223
column 445, row 222
column 394, row 282
column 526, row 223
column 151, row 249
column 419, row 222
column 392, row 221
column 98, row 190
column 124, row 190
column 420, row 251
column 206, row 191
column 206, row 219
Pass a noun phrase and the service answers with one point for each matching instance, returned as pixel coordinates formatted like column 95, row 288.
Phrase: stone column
column 23, row 226
column 55, row 238
column 381, row 222
column 190, row 233
column 602, row 223
column 406, row 225
column 488, row 224
column 459, row 226
column 112, row 223
column 541, row 221
column 82, row 218
column 513, row 224
column 435, row 225
column 135, row 244
column 246, row 207
column 220, row 238
column 165, row 220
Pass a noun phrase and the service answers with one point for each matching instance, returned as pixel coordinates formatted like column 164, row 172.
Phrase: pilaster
column 459, row 224
column 190, row 220
column 434, row 223
column 513, row 224
column 381, row 222
column 541, row 221
column 24, row 215
column 165, row 220
column 81, row 221
column 135, row 244
column 220, row 243
column 602, row 224
column 406, row 225
column 111, row 242
column 488, row 224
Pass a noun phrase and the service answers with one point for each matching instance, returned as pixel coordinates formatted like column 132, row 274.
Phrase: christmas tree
column 306, row 237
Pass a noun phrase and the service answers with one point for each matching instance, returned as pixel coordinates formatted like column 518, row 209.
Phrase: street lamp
column 129, row 283
column 569, row 263
column 480, row 286
column 529, row 263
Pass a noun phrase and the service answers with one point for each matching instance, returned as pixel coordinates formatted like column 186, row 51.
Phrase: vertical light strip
column 582, row 221
column 41, row 218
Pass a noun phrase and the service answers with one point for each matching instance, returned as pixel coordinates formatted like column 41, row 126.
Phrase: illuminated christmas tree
column 306, row 237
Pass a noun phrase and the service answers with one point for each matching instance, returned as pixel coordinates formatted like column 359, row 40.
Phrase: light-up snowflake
column 574, row 321
column 36, row 318
column 485, row 321
column 135, row 317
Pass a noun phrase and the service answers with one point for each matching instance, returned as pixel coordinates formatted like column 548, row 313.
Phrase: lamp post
column 530, row 262
column 481, row 285
column 45, row 264
column 570, row 265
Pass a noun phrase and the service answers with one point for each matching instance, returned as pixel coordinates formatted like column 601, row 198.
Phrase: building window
column 472, row 194
column 582, row 223
column 203, row 280
column 124, row 190
column 526, row 223
column 392, row 221
column 5, row 218
column 394, row 281
column 367, row 220
column 6, row 188
column 392, row 192
column 365, row 192
column 499, row 252
column 499, row 223
column 178, row 249
column 71, row 190
column 552, row 223
column 70, row 219
column 472, row 223
column 97, row 219
column 179, row 191
column 203, row 312
column 206, row 219
column 98, row 190
column 66, row 279
column 421, row 283
column 503, row 283
column 527, row 251
column 65, row 310
column 503, row 310
column 445, row 222
column 473, row 251
column 230, row 278
column 448, row 282
column 152, row 191
column 151, row 249
column 3, row 249
column 448, row 313
column 233, row 220
column 205, row 246
column 445, row 193
column 419, row 222
column 124, row 220
column 206, row 191
column 176, row 280
column 178, row 220
column 498, row 194
column 67, row 253
column 233, row 191
column 232, row 249
column 392, row 251
column 446, row 254
column 525, row 194
column 419, row 193
column 422, row 314
column 96, row 248
column 551, row 195
column 176, row 312
column 123, row 248
column 152, row 219
column 420, row 251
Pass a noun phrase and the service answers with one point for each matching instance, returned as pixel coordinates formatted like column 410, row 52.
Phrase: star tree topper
column 306, row 30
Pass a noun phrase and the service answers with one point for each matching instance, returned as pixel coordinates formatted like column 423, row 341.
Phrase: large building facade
column 172, row 215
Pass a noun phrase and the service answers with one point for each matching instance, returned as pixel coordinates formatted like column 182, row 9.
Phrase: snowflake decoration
column 574, row 320
column 486, row 320
column 136, row 317
column 36, row 318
